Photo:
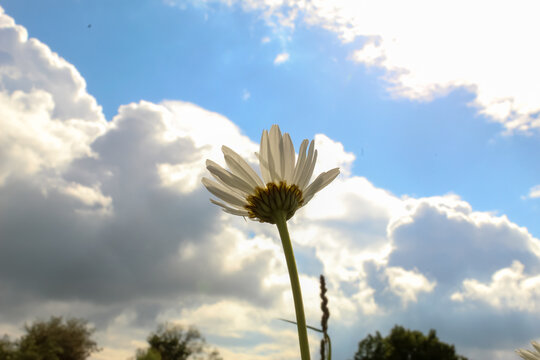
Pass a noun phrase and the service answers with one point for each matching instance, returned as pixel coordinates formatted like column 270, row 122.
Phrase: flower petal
column 229, row 209
column 229, row 179
column 240, row 167
column 527, row 355
column 289, row 157
column 275, row 148
column 223, row 192
column 301, row 161
column 274, row 158
column 264, row 164
column 308, row 173
column 309, row 165
column 269, row 161
column 320, row 182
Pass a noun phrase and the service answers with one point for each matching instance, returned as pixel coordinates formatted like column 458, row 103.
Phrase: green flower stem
column 327, row 339
column 281, row 222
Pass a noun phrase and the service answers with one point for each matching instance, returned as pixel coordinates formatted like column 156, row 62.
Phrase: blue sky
column 422, row 118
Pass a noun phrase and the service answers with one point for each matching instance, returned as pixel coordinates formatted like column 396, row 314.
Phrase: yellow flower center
column 267, row 202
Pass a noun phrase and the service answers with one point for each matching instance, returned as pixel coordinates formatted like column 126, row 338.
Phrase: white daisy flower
column 284, row 186
column 529, row 355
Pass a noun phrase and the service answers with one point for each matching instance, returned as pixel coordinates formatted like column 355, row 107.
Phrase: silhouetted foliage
column 56, row 339
column 147, row 354
column 405, row 344
column 173, row 342
column 8, row 349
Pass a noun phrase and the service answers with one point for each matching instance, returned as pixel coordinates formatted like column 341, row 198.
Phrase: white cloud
column 47, row 119
column 428, row 48
column 332, row 154
column 281, row 58
column 43, row 106
column 534, row 192
column 408, row 284
column 445, row 238
column 246, row 95
column 354, row 200
column 510, row 288
column 43, row 143
column 91, row 198
column 27, row 65
column 198, row 132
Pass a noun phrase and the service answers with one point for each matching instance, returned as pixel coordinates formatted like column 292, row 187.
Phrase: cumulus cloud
column 429, row 48
column 457, row 242
column 108, row 221
column 43, row 106
column 407, row 284
column 145, row 222
column 101, row 217
column 510, row 288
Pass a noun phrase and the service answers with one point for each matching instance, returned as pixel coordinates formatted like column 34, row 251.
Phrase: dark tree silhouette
column 57, row 339
column 405, row 344
column 173, row 342
column 8, row 349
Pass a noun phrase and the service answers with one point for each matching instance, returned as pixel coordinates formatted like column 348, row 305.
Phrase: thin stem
column 281, row 223
column 329, row 342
